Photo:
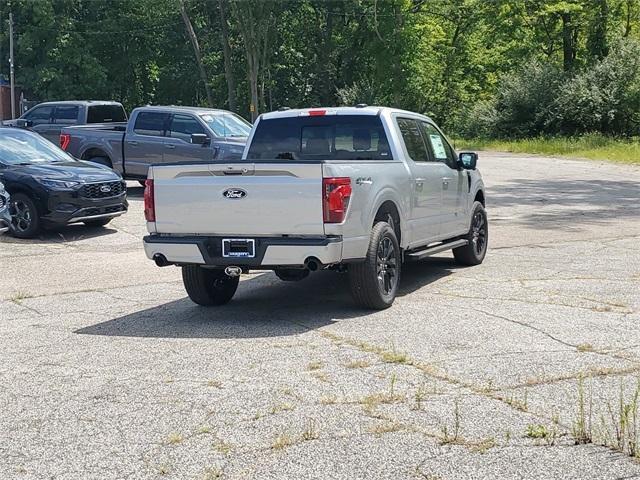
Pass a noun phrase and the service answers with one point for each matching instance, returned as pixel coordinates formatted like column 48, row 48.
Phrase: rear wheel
column 102, row 161
column 374, row 282
column 101, row 222
column 25, row 220
column 473, row 253
column 208, row 287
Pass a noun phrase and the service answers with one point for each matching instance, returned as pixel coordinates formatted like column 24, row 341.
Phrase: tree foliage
column 498, row 67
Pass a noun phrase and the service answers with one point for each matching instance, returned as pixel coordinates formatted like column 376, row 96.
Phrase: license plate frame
column 238, row 248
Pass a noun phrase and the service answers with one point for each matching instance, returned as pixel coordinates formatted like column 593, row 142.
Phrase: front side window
column 151, row 123
column 227, row 124
column 19, row 147
column 39, row 115
column 182, row 126
column 66, row 115
column 438, row 144
column 327, row 137
column 413, row 139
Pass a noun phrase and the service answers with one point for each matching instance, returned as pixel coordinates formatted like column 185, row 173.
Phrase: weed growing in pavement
column 283, row 440
column 452, row 436
column 358, row 364
column 214, row 383
column 623, row 435
column 581, row 430
column 385, row 427
column 481, row 446
column 585, row 347
column 328, row 400
column 521, row 404
column 174, row 439
column 281, row 407
column 323, row 377
column 163, row 469
column 315, row 366
column 18, row 297
column 212, row 473
column 419, row 396
column 310, row 431
column 223, row 447
column 539, row 431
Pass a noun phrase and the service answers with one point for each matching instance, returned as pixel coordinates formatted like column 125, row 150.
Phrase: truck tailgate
column 239, row 199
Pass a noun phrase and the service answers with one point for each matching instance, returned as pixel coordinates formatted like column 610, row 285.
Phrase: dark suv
column 49, row 187
column 49, row 118
column 5, row 219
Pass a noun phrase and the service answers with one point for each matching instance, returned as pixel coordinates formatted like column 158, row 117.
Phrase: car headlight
column 57, row 184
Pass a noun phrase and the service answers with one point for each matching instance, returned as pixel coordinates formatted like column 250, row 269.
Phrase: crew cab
column 157, row 135
column 49, row 118
column 356, row 189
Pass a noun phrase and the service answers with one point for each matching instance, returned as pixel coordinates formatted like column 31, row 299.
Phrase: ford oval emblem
column 105, row 188
column 234, row 193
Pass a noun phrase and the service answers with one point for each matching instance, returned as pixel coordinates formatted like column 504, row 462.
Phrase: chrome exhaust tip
column 233, row 271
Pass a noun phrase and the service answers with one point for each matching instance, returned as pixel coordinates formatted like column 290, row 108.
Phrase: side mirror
column 200, row 139
column 24, row 123
column 468, row 160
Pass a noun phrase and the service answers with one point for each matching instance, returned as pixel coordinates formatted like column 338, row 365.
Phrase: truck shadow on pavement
column 567, row 203
column 264, row 307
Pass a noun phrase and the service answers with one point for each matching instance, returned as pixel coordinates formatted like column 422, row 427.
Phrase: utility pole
column 11, row 77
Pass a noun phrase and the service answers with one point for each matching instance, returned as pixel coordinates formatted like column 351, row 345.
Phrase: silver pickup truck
column 356, row 189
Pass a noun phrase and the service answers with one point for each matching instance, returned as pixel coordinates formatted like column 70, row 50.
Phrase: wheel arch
column 92, row 152
column 389, row 208
column 479, row 197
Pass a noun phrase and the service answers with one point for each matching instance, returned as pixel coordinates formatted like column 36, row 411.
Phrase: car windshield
column 227, row 124
column 18, row 147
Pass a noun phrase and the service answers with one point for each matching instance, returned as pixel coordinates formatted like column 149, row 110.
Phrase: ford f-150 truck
column 159, row 135
column 356, row 189
column 49, row 118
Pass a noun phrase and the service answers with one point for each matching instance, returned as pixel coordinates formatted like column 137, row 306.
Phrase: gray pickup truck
column 348, row 189
column 157, row 135
column 49, row 118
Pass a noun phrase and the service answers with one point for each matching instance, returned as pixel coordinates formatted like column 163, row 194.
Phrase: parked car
column 49, row 187
column 5, row 218
column 157, row 135
column 355, row 189
column 49, row 118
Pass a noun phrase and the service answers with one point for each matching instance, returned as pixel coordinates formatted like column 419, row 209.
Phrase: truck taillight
column 65, row 138
column 336, row 192
column 149, row 201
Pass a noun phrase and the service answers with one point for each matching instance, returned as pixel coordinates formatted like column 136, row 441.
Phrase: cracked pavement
column 108, row 371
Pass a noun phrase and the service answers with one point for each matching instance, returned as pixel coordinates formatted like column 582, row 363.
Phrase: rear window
column 330, row 137
column 106, row 114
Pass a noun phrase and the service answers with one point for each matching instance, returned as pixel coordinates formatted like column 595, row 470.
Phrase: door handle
column 133, row 143
column 168, row 145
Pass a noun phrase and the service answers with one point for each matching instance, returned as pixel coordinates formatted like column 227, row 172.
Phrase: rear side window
column 66, row 115
column 412, row 138
column 106, row 114
column 151, row 123
column 182, row 126
column 330, row 137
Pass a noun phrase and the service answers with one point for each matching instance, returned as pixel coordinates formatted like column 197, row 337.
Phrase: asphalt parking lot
column 108, row 371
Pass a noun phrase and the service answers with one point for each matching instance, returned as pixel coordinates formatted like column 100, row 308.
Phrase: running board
column 420, row 254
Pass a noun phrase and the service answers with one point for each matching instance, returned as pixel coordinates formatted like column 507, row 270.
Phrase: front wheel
column 25, row 220
column 208, row 287
column 473, row 253
column 374, row 282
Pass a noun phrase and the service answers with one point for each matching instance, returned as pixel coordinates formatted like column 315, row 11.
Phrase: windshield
column 18, row 147
column 227, row 124
column 330, row 137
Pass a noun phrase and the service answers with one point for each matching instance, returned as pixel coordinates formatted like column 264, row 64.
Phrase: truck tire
column 374, row 282
column 102, row 161
column 478, row 237
column 208, row 287
column 25, row 219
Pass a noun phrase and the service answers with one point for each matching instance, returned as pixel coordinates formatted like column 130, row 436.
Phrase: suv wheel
column 208, row 287
column 25, row 220
column 374, row 282
column 478, row 237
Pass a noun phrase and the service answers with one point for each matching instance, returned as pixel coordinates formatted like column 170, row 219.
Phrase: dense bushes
column 540, row 99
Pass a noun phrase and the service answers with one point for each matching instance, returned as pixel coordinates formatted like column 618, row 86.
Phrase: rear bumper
column 270, row 252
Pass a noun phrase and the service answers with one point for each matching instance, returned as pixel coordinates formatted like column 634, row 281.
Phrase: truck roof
column 359, row 110
column 80, row 102
column 181, row 108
